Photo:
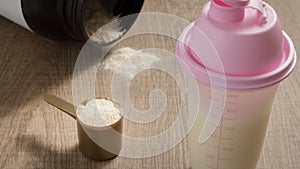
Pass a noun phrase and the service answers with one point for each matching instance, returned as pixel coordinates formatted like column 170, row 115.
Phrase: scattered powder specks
column 98, row 113
column 96, row 17
column 127, row 62
column 106, row 35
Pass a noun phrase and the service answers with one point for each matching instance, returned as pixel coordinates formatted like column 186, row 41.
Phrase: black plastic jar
column 65, row 19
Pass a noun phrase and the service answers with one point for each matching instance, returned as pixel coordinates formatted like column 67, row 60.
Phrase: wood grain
column 36, row 135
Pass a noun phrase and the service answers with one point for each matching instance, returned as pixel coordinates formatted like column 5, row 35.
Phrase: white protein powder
column 96, row 18
column 106, row 35
column 98, row 113
column 125, row 62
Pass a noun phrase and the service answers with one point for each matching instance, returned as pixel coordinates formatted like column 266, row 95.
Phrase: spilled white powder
column 98, row 113
column 125, row 61
column 106, row 35
column 96, row 18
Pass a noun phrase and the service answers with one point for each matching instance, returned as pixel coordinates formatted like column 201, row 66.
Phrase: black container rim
column 125, row 9
column 63, row 19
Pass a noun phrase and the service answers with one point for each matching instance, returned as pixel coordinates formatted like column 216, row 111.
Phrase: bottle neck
column 224, row 13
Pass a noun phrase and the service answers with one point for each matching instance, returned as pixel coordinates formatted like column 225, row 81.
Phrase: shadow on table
column 30, row 66
column 47, row 156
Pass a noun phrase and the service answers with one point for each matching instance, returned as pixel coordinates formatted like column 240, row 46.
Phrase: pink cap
column 250, row 53
column 237, row 3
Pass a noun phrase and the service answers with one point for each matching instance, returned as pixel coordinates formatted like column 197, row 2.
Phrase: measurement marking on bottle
column 227, row 128
column 230, row 129
column 227, row 149
column 220, row 136
column 213, row 146
column 230, row 111
column 228, row 114
column 233, row 96
column 228, row 119
column 214, row 136
column 231, row 102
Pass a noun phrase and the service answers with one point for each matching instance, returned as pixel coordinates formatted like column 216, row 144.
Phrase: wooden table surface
column 36, row 135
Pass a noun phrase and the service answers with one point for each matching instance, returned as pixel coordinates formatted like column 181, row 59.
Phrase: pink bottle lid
column 237, row 3
column 239, row 40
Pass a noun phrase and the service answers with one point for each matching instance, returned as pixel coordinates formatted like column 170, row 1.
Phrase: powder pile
column 98, row 113
column 126, row 61
column 96, row 17
column 106, row 35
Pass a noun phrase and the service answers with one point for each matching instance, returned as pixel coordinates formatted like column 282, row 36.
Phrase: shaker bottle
column 66, row 19
column 255, row 55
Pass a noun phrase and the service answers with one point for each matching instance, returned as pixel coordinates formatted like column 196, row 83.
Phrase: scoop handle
column 61, row 104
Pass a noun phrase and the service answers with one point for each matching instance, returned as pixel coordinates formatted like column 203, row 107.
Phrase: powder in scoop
column 127, row 62
column 99, row 113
